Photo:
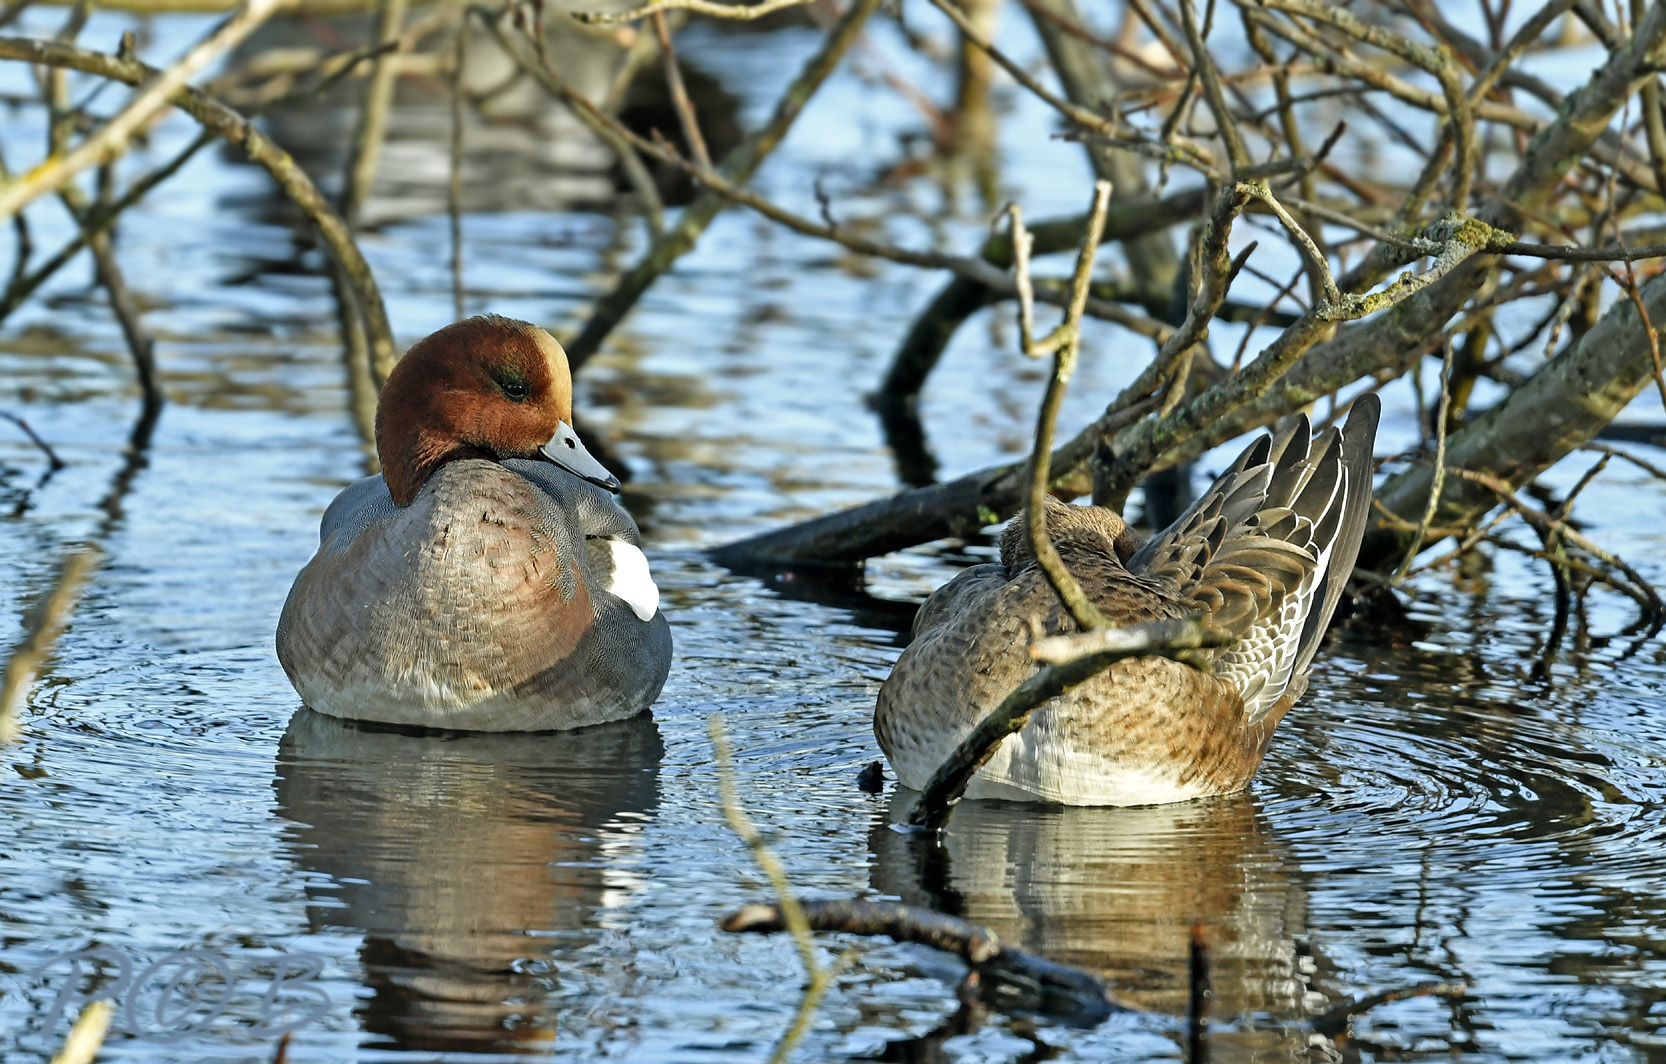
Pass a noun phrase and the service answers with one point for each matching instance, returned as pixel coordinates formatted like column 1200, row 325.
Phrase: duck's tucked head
column 486, row 387
column 1092, row 528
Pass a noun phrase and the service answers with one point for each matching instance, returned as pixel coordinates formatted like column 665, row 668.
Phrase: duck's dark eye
column 515, row 390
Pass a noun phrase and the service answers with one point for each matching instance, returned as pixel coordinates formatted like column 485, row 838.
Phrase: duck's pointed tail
column 1266, row 551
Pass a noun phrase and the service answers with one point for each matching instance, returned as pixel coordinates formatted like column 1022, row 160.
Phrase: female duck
column 487, row 580
column 1263, row 556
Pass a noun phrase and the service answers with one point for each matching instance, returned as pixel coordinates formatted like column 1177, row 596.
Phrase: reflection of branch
column 53, row 461
column 1339, row 1020
column 738, row 12
column 42, row 626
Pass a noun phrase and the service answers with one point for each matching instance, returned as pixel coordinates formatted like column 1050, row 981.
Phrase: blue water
column 1434, row 809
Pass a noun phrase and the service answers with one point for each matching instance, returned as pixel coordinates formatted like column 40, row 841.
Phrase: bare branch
column 1065, row 349
column 735, row 12
column 156, row 94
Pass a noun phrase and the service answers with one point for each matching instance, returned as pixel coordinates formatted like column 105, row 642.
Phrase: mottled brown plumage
column 1263, row 555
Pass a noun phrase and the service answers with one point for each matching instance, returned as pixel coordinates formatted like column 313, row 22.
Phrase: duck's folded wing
column 1264, row 553
column 363, row 503
column 948, row 601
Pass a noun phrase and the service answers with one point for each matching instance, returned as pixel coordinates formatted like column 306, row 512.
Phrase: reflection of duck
column 1263, row 555
column 487, row 580
column 1116, row 891
column 523, row 150
column 445, row 852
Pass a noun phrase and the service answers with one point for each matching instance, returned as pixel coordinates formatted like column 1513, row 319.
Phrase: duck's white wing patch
column 631, row 580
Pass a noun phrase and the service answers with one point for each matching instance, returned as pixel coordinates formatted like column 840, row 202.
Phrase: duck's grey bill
column 566, row 450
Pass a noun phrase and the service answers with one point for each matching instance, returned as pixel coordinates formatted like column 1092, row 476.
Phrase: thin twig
column 1098, row 650
column 1065, row 343
column 1640, row 590
column 98, row 219
column 238, row 130
column 1647, row 467
column 1609, row 253
column 42, row 626
column 792, row 913
column 1203, row 65
column 972, row 268
column 679, row 94
column 373, row 116
column 736, row 12
column 738, row 166
column 145, row 103
column 1438, row 476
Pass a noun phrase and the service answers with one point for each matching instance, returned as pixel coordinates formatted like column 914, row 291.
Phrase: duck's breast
column 476, row 607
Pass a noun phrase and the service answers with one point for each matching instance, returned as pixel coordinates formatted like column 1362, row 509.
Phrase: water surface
column 1447, row 803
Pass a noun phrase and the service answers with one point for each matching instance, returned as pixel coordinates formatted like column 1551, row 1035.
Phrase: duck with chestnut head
column 487, row 579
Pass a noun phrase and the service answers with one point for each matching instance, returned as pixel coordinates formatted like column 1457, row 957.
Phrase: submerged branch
column 1038, row 984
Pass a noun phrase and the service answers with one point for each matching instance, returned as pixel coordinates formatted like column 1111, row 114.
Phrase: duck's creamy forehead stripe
column 631, row 580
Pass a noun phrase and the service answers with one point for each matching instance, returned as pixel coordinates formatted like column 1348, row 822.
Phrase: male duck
column 487, row 580
column 1263, row 555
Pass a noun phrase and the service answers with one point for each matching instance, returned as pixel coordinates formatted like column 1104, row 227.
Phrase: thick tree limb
column 1556, row 410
